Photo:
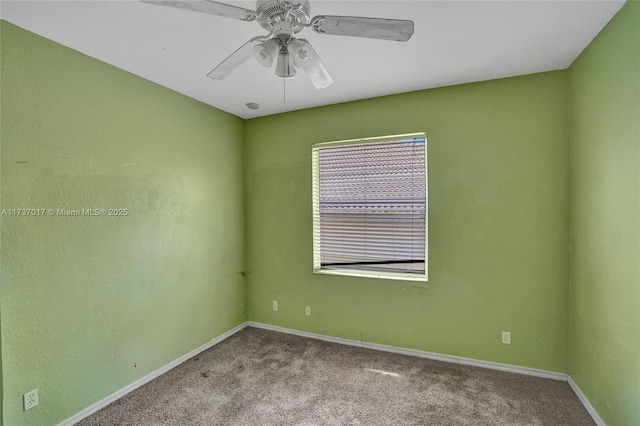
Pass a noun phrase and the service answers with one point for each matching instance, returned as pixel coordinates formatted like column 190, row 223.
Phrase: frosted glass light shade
column 300, row 52
column 266, row 52
column 284, row 67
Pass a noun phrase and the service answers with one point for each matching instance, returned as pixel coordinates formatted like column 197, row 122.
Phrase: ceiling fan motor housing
column 272, row 11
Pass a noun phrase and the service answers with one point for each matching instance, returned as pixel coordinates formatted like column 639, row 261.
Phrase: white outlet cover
column 275, row 305
column 506, row 337
column 30, row 399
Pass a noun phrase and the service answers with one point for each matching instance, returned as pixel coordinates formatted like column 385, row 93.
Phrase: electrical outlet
column 275, row 305
column 30, row 399
column 506, row 337
column 307, row 311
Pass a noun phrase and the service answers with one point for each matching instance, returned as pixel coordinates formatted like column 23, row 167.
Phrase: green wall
column 91, row 304
column 498, row 158
column 604, row 344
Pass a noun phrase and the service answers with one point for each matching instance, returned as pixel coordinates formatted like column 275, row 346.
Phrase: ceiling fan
column 284, row 19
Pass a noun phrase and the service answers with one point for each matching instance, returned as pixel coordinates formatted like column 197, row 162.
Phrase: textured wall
column 91, row 304
column 604, row 345
column 498, row 223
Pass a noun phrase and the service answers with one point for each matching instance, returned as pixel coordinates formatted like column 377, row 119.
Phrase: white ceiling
column 454, row 42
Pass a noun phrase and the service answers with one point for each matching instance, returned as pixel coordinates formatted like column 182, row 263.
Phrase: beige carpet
column 259, row 377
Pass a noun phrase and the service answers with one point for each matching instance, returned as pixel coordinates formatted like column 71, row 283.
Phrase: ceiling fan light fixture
column 266, row 52
column 283, row 19
column 284, row 67
column 301, row 53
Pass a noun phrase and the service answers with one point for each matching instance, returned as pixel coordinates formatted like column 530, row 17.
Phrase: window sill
column 373, row 274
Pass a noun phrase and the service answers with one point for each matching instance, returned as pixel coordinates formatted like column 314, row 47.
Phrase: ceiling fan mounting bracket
column 271, row 12
column 316, row 25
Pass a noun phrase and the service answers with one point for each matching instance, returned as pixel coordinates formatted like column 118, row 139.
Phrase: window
column 370, row 207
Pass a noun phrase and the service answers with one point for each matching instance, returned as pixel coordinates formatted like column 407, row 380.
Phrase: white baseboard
column 585, row 401
column 385, row 348
column 421, row 354
column 446, row 358
column 149, row 377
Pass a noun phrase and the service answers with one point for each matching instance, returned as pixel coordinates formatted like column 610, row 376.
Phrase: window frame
column 317, row 267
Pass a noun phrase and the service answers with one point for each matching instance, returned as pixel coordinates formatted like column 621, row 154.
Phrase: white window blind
column 370, row 206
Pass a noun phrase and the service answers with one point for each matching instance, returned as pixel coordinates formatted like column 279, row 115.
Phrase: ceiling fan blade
column 384, row 29
column 210, row 7
column 315, row 69
column 234, row 60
